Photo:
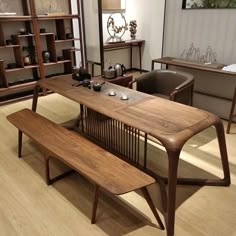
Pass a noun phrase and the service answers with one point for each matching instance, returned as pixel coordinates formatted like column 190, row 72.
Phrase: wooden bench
column 102, row 168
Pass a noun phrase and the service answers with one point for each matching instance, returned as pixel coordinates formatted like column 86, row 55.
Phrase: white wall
column 203, row 27
column 92, row 30
column 150, row 17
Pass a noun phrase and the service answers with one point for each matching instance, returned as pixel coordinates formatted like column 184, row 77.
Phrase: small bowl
column 124, row 97
column 111, row 93
column 97, row 87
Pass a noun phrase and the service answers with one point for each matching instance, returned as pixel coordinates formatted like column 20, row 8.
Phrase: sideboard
column 213, row 88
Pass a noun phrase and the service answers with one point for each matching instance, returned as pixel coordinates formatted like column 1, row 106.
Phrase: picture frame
column 208, row 4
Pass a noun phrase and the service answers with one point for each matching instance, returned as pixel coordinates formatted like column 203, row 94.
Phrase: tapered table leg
column 231, row 115
column 172, row 180
column 131, row 57
column 223, row 152
column 140, row 57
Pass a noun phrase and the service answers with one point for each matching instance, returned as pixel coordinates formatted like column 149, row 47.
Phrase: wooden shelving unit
column 57, row 41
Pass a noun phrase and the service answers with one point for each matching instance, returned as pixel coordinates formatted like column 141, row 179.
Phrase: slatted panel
column 124, row 140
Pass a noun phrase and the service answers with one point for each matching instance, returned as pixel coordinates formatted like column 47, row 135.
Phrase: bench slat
column 93, row 162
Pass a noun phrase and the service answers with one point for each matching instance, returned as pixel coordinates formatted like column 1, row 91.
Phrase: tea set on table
column 84, row 78
column 118, row 70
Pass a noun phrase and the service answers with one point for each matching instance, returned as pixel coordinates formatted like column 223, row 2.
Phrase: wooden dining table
column 171, row 123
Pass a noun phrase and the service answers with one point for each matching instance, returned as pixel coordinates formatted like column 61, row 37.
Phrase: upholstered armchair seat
column 173, row 85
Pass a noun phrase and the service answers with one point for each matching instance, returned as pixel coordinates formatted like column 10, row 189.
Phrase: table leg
column 152, row 65
column 173, row 158
column 231, row 112
column 223, row 152
column 131, row 57
column 35, row 97
column 140, row 57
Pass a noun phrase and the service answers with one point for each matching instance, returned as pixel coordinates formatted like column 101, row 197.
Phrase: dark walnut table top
column 171, row 123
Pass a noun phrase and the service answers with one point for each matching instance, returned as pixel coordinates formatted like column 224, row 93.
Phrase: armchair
column 173, row 85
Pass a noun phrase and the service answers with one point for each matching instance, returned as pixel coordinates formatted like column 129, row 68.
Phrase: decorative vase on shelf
column 132, row 29
column 27, row 60
column 46, row 56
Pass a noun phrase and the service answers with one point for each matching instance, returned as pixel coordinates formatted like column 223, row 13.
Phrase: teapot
column 120, row 69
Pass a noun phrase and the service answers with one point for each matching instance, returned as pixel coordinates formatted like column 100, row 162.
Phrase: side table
column 124, row 81
column 127, row 44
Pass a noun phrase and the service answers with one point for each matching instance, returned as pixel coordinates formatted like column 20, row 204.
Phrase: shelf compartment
column 17, row 92
column 21, row 68
column 60, row 27
column 24, row 35
column 18, row 87
column 15, row 18
column 51, row 47
column 9, row 46
column 16, row 37
column 2, row 37
column 55, row 17
column 56, row 63
column 17, row 84
column 3, row 80
column 66, row 40
column 45, row 34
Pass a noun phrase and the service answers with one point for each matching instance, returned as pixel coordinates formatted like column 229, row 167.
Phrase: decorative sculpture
column 193, row 54
column 114, row 30
column 132, row 29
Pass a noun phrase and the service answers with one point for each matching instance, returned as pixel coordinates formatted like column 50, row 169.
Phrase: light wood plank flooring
column 28, row 207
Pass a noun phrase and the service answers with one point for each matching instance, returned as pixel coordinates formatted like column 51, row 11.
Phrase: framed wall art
column 208, row 4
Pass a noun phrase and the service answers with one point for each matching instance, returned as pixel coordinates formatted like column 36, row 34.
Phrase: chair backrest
column 123, row 81
column 176, row 85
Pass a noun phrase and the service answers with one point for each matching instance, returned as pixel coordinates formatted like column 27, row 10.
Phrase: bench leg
column 47, row 170
column 152, row 207
column 95, row 204
column 50, row 181
column 19, row 143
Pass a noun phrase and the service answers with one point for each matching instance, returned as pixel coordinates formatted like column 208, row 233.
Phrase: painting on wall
column 198, row 4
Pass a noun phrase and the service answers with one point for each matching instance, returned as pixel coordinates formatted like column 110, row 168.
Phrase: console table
column 127, row 44
column 214, row 67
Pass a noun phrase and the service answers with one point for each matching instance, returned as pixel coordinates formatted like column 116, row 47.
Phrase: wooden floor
column 29, row 207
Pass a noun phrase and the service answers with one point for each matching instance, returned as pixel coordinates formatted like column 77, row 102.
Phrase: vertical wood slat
column 116, row 136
